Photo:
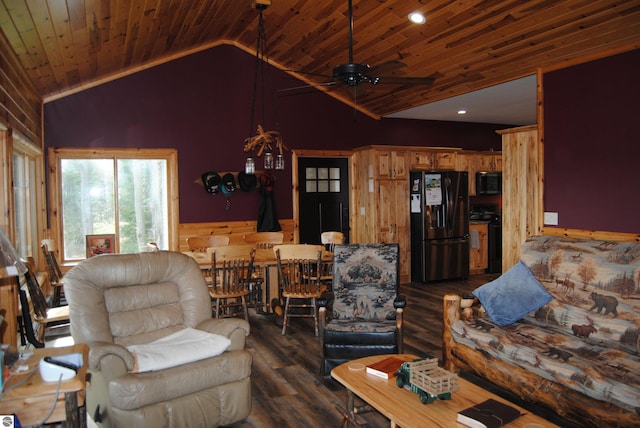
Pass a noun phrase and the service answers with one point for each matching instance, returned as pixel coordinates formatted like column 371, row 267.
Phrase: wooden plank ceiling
column 66, row 46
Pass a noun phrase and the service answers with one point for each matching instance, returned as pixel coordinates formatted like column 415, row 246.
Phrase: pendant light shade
column 250, row 166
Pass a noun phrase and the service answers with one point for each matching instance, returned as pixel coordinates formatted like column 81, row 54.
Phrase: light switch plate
column 551, row 218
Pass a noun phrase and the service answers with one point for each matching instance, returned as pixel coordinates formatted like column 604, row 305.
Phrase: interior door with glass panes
column 323, row 197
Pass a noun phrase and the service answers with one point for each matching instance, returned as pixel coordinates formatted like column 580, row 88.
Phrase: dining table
column 265, row 259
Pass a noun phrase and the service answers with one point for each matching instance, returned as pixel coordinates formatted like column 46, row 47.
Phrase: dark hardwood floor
column 287, row 390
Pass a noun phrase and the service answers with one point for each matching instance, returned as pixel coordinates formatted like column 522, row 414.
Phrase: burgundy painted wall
column 201, row 105
column 592, row 145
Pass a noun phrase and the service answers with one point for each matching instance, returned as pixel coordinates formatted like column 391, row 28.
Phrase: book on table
column 385, row 368
column 488, row 414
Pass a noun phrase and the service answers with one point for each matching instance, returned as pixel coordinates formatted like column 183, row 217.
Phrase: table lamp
column 10, row 263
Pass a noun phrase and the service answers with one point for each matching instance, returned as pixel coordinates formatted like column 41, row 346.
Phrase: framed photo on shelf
column 100, row 244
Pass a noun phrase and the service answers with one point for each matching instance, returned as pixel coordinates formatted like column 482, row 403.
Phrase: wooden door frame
column 295, row 154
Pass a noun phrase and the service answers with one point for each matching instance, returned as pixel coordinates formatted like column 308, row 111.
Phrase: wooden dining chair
column 231, row 277
column 297, row 251
column 35, row 309
column 47, row 247
column 255, row 276
column 330, row 238
column 264, row 239
column 201, row 243
column 305, row 251
column 300, row 286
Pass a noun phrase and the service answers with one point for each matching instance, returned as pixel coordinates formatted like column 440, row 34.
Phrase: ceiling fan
column 352, row 75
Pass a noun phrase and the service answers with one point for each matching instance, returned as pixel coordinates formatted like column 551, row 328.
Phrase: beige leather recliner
column 118, row 300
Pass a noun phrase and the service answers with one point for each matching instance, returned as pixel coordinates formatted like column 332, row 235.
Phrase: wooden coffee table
column 403, row 408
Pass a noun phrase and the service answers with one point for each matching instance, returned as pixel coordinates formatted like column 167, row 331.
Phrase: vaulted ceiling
column 66, row 46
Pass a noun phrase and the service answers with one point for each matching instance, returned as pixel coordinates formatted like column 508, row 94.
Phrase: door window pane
column 322, row 180
column 310, row 173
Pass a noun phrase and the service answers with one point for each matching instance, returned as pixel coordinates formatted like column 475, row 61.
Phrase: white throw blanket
column 182, row 347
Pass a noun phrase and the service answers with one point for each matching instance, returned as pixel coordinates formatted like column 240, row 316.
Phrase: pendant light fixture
column 264, row 142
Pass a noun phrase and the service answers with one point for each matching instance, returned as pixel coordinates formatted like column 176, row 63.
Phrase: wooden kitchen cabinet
column 472, row 160
column 433, row 160
column 479, row 248
column 382, row 204
column 393, row 203
column 490, row 161
column 381, row 192
column 391, row 163
column 521, row 191
column 479, row 161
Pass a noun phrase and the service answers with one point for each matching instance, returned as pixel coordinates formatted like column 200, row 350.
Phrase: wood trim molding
column 295, row 154
column 234, row 229
column 591, row 234
column 55, row 154
column 591, row 57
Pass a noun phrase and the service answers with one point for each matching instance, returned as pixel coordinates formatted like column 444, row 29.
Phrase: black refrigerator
column 439, row 225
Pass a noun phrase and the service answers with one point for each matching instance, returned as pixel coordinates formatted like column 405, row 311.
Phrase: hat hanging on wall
column 228, row 184
column 211, row 181
column 247, row 182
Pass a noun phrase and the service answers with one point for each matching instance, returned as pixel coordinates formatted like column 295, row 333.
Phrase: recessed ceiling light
column 417, row 18
column 462, row 112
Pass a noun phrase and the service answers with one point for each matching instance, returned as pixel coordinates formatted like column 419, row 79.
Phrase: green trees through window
column 120, row 193
column 125, row 197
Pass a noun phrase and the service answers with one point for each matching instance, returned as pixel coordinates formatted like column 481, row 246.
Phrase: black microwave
column 488, row 183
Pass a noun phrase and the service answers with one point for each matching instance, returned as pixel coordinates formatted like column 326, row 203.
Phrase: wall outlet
column 362, row 211
column 551, row 218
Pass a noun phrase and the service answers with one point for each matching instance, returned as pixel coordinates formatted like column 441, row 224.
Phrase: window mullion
column 116, row 203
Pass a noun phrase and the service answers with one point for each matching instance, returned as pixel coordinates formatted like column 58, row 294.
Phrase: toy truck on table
column 426, row 379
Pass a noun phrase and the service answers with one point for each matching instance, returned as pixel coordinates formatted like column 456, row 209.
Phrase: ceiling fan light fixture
column 417, row 18
column 351, row 74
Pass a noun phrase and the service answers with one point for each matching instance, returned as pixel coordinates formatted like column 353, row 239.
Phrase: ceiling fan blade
column 392, row 80
column 387, row 67
column 332, row 83
column 309, row 73
column 351, row 76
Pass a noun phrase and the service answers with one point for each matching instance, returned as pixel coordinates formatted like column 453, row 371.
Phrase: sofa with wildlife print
column 588, row 337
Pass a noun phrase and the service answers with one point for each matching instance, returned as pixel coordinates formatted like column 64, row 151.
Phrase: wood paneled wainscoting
column 234, row 229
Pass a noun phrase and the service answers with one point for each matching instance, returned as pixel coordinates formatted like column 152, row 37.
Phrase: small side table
column 32, row 400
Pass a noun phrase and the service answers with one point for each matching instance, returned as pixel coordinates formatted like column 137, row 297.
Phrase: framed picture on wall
column 100, row 244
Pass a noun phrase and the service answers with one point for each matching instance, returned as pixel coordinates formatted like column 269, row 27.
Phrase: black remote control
column 64, row 364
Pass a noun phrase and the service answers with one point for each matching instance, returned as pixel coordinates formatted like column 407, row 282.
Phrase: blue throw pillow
column 513, row 295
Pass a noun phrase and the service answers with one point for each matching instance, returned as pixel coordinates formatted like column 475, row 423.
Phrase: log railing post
column 451, row 314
